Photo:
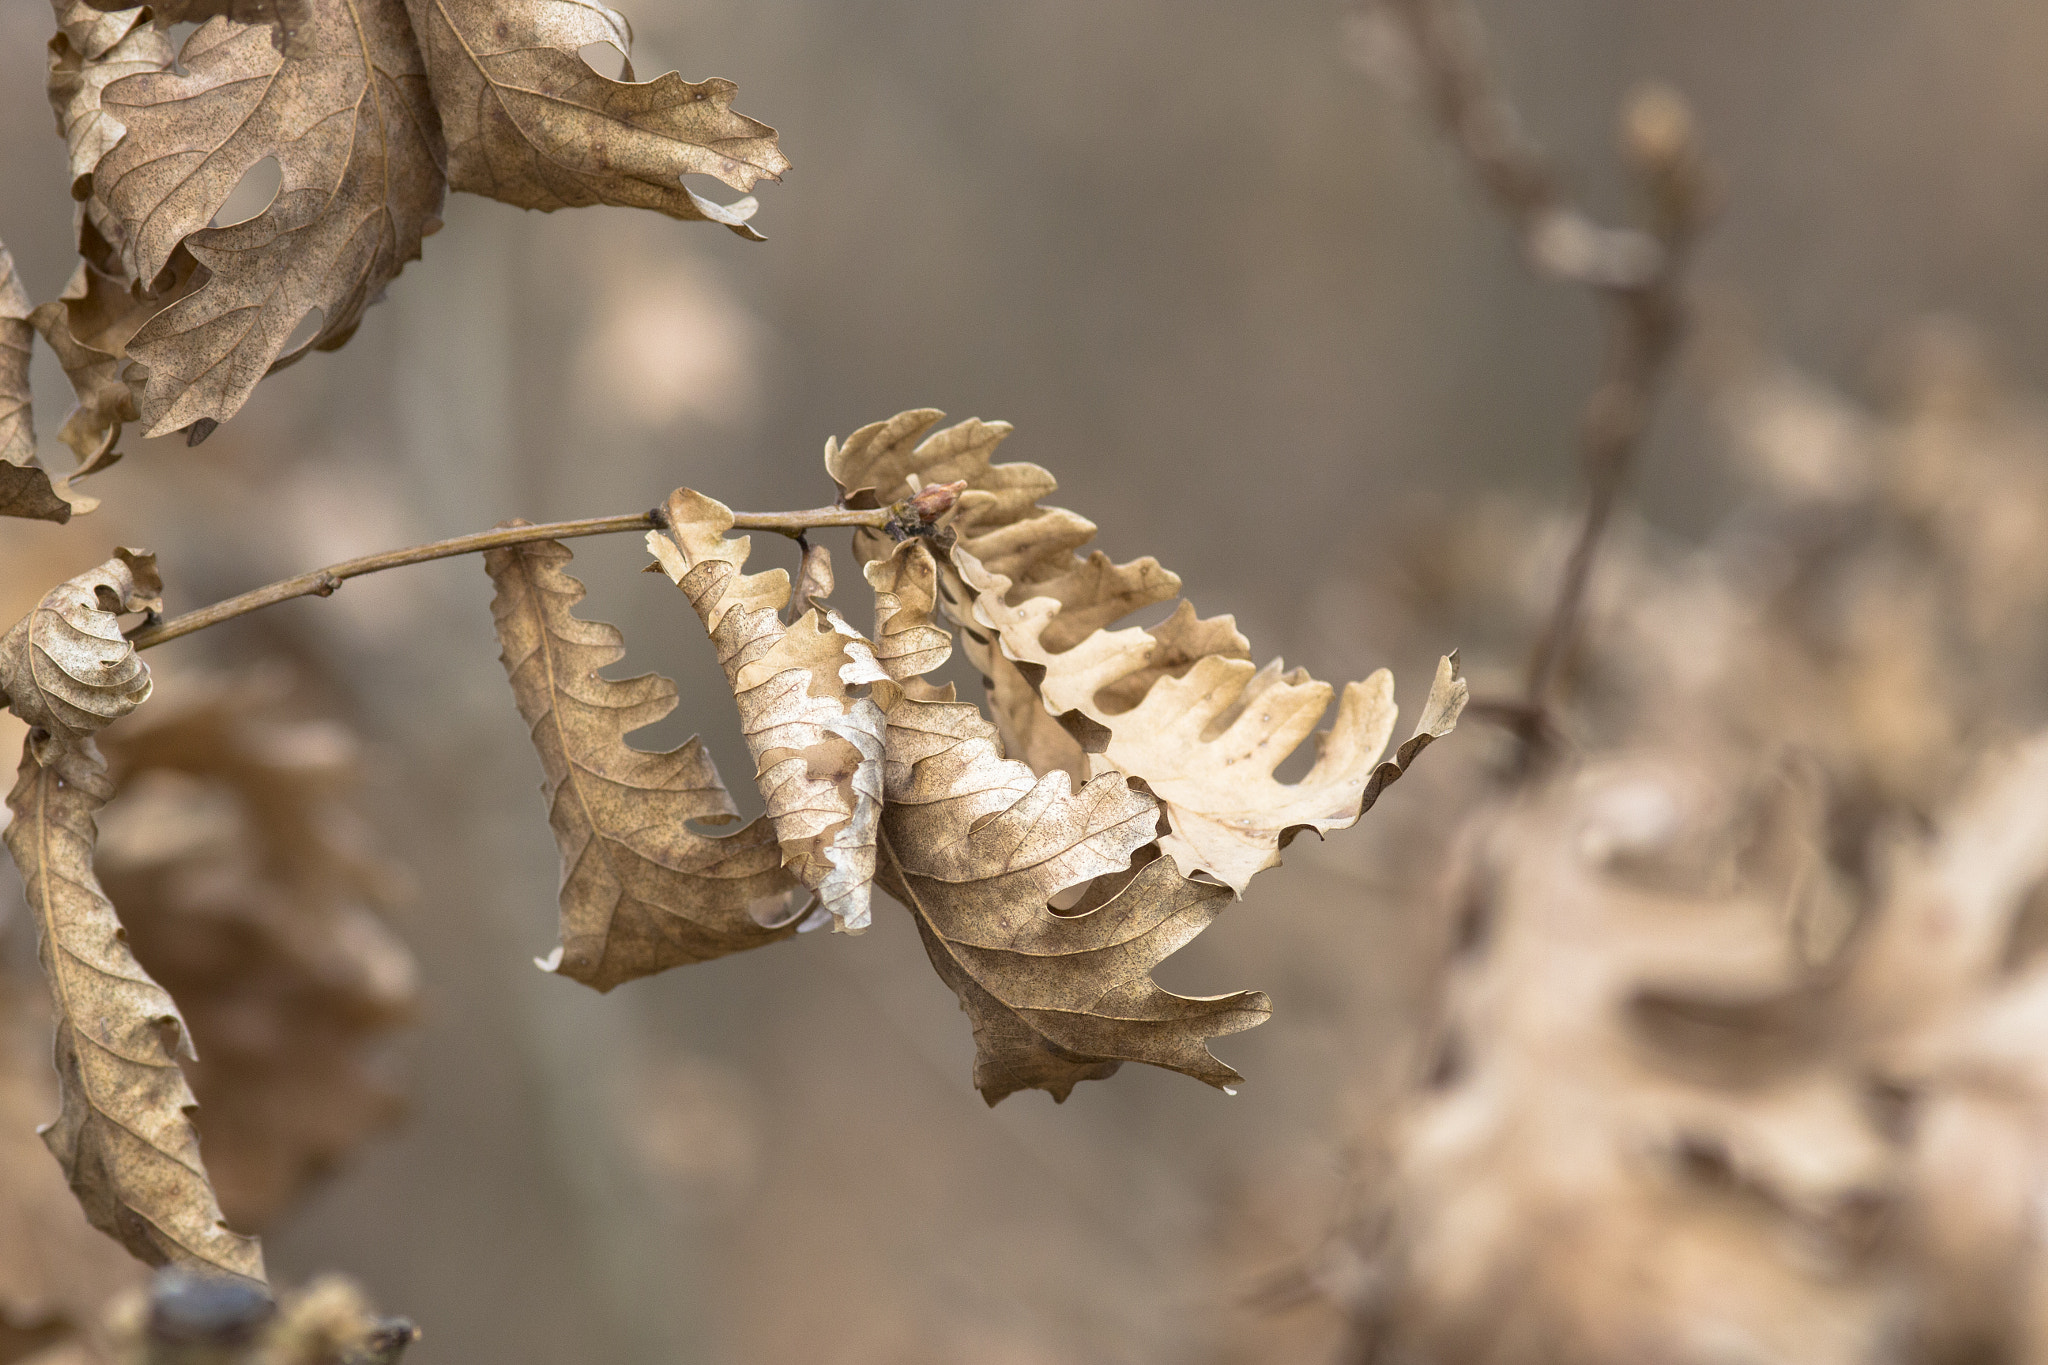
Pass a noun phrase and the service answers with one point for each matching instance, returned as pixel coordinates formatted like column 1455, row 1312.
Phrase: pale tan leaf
column 641, row 891
column 978, row 846
column 1179, row 705
column 801, row 688
column 65, row 668
column 249, row 888
column 344, row 108
column 529, row 122
column 123, row 1134
column 25, row 489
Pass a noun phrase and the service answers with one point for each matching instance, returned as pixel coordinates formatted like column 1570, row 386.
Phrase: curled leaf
column 978, row 847
column 124, row 1134
column 801, row 689
column 25, row 489
column 89, row 326
column 529, row 122
column 641, row 891
column 1179, row 704
column 65, row 668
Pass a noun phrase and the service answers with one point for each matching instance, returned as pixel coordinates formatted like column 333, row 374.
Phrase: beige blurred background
column 1255, row 317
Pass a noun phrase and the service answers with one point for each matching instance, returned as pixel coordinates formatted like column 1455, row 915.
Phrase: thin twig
column 323, row 582
column 1439, row 47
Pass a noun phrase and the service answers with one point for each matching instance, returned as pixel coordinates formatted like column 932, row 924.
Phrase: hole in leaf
column 1067, row 899
column 606, row 60
column 252, row 194
column 178, row 33
column 303, row 334
column 1296, row 765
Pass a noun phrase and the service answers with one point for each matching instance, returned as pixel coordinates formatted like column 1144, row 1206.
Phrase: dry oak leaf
column 25, row 489
column 124, row 1133
column 65, row 667
column 977, row 846
column 250, row 889
column 885, row 462
column 1179, row 705
column 529, row 122
column 802, row 692
column 641, row 891
column 344, row 109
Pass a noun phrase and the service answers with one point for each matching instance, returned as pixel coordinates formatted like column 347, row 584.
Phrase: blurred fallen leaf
column 248, row 888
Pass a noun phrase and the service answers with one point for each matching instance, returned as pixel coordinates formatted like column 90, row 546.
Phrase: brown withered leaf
column 250, row 890
column 529, row 122
column 641, row 891
column 345, row 111
column 801, row 688
column 978, row 847
column 25, row 489
column 124, row 1134
column 65, row 668
column 56, row 1272
column 1179, row 704
column 342, row 95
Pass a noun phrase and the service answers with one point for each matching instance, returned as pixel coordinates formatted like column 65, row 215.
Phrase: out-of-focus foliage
column 248, row 886
column 184, row 1319
column 1737, row 1047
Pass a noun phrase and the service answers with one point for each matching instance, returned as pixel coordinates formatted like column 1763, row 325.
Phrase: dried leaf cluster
column 1045, row 895
column 370, row 111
